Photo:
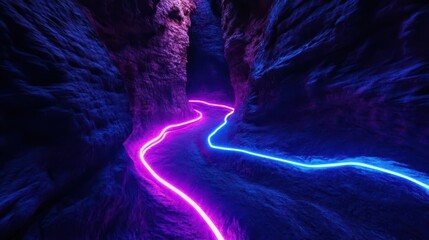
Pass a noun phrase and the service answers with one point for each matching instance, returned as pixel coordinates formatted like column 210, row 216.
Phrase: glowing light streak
column 153, row 142
column 160, row 137
column 298, row 164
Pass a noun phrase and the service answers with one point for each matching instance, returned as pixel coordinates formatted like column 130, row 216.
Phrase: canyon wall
column 362, row 65
column 65, row 114
column 147, row 40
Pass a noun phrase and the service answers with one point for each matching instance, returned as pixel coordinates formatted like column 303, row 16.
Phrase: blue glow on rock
column 299, row 164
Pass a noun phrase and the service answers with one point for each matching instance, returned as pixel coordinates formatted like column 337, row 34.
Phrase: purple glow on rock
column 230, row 110
column 153, row 142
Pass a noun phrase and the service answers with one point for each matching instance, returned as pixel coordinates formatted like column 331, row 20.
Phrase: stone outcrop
column 147, row 40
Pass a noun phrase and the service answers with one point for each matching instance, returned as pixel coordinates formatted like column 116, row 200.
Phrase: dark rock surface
column 64, row 116
column 148, row 41
column 243, row 25
column 340, row 76
column 207, row 68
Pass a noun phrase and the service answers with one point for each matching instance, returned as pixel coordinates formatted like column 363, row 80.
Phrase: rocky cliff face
column 65, row 114
column 243, row 24
column 309, row 52
column 148, row 41
column 330, row 65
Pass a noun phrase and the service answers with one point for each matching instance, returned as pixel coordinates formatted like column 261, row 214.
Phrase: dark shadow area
column 207, row 68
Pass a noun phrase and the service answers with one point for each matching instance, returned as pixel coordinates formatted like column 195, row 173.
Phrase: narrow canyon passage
column 100, row 137
column 207, row 68
column 253, row 198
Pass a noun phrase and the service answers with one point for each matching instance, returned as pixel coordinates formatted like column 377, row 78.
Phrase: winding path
column 229, row 111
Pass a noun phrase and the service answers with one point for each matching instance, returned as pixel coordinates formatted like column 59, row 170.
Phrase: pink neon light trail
column 212, row 104
column 153, row 142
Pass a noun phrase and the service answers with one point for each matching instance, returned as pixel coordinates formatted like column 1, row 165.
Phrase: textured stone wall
column 243, row 24
column 148, row 41
column 64, row 115
column 354, row 63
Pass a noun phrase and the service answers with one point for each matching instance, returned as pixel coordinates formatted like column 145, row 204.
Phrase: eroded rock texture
column 64, row 116
column 243, row 25
column 336, row 69
column 147, row 40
